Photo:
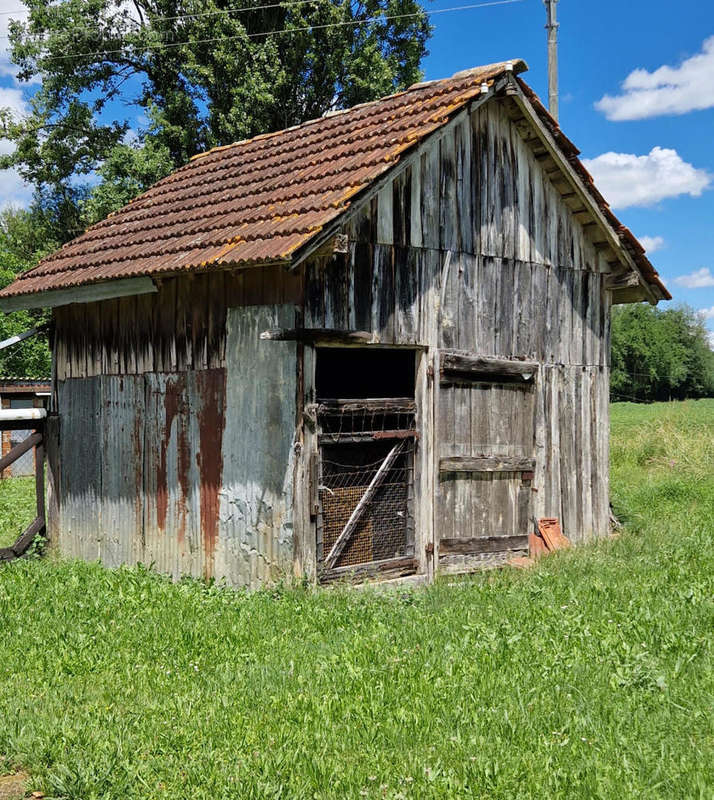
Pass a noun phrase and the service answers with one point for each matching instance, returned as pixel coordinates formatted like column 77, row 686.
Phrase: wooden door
column 485, row 454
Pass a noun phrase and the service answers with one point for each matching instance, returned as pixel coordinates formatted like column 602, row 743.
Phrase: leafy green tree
column 660, row 354
column 20, row 233
column 202, row 72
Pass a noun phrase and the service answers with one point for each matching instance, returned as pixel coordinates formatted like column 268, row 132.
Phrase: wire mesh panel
column 382, row 532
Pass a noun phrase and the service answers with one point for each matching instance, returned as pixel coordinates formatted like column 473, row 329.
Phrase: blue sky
column 662, row 184
column 649, row 146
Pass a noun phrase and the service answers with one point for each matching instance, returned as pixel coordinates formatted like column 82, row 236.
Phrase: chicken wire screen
column 347, row 471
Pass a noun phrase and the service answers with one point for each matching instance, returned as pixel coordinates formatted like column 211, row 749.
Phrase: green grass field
column 590, row 676
column 17, row 508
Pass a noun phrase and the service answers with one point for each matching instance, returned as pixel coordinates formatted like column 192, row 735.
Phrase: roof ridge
column 517, row 66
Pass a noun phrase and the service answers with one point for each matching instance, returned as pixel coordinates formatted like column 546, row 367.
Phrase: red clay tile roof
column 259, row 200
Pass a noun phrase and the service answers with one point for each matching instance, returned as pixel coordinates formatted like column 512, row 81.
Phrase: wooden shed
column 373, row 344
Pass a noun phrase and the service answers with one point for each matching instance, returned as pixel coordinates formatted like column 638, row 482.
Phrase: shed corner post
column 305, row 544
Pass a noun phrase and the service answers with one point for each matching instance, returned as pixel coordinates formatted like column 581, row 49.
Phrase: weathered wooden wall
column 187, row 465
column 473, row 248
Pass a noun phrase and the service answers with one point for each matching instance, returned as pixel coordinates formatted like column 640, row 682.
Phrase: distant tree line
column 660, row 354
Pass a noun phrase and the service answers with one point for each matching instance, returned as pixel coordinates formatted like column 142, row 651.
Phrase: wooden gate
column 364, row 479
column 485, row 412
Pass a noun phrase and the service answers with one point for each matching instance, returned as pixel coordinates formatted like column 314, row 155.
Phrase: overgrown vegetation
column 660, row 354
column 24, row 239
column 591, row 676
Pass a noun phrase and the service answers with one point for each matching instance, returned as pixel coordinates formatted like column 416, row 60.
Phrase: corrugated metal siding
column 256, row 528
column 189, row 471
column 81, row 476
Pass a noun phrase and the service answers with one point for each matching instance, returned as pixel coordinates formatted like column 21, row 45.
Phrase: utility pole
column 552, row 28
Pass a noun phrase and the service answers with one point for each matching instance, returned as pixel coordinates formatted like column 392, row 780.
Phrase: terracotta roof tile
column 259, row 200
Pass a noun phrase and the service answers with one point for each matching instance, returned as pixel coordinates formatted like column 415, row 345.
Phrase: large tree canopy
column 196, row 73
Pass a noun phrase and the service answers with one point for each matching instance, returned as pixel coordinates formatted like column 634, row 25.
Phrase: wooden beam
column 485, row 544
column 366, row 436
column 26, row 538
column 20, row 450
column 24, row 541
column 311, row 335
column 122, row 287
column 486, row 464
column 361, row 507
column 22, row 336
column 396, row 405
column 620, row 281
column 458, row 366
column 388, row 568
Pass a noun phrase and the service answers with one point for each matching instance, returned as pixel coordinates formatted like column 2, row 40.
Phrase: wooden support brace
column 486, row 464
column 19, row 450
column 361, row 507
column 459, row 367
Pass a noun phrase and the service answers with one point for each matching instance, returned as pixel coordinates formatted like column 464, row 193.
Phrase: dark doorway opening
column 357, row 373
column 366, row 417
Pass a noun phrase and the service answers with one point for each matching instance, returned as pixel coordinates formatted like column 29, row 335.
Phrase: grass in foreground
column 591, row 676
column 17, row 508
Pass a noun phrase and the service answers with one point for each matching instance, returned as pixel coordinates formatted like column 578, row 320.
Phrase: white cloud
column 13, row 99
column 667, row 90
column 13, row 189
column 651, row 243
column 699, row 279
column 711, row 339
column 9, row 10
column 707, row 313
column 626, row 179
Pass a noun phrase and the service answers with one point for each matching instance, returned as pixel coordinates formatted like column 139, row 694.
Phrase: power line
column 235, row 10
column 324, row 26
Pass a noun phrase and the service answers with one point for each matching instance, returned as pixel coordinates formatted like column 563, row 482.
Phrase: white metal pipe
column 20, row 336
column 20, row 414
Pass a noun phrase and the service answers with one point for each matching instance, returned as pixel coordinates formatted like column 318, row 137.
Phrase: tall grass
column 591, row 676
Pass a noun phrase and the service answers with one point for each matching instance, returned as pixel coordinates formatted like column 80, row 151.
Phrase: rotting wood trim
column 389, row 568
column 486, row 544
column 619, row 281
column 310, row 335
column 90, row 293
column 339, row 438
column 486, row 464
column 577, row 184
column 458, row 366
column 361, row 507
column 19, row 450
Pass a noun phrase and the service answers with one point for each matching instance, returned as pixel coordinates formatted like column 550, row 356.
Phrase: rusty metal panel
column 80, row 520
column 255, row 542
column 121, row 464
column 183, row 470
